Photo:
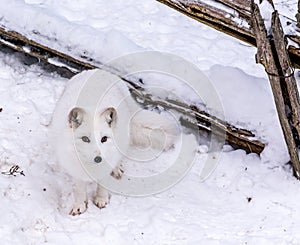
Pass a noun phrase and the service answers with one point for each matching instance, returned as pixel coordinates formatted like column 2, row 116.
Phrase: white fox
column 71, row 126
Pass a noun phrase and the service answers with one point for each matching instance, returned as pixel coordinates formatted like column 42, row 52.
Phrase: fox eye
column 85, row 139
column 103, row 139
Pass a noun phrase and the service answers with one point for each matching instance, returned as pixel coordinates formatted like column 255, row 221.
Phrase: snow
column 288, row 8
column 287, row 13
column 57, row 63
column 48, row 28
column 247, row 199
column 266, row 9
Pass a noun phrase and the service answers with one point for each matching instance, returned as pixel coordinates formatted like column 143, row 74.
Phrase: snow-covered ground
column 247, row 200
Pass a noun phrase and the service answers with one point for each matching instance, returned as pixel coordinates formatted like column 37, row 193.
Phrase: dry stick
column 232, row 17
column 241, row 138
column 272, row 55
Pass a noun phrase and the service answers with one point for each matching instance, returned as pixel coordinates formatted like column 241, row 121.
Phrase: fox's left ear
column 110, row 115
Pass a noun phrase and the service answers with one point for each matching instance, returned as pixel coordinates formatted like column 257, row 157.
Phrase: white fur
column 145, row 129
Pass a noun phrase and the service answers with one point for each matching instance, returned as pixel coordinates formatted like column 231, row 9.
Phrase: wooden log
column 273, row 56
column 237, row 137
column 232, row 18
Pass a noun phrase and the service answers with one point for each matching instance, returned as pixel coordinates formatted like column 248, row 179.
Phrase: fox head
column 94, row 135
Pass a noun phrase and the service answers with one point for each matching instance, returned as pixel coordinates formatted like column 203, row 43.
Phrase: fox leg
column 102, row 197
column 80, row 198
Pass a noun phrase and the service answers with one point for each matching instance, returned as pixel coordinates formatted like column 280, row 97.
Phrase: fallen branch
column 237, row 137
column 23, row 44
column 232, row 17
column 192, row 116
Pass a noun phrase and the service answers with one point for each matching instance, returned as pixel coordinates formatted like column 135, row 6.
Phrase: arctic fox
column 71, row 125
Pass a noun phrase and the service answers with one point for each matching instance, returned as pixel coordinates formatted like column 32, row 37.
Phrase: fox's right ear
column 76, row 117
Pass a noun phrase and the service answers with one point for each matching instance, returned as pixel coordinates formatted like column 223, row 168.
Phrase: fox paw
column 79, row 208
column 117, row 172
column 101, row 202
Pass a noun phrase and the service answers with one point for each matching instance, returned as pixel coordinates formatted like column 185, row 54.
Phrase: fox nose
column 98, row 159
